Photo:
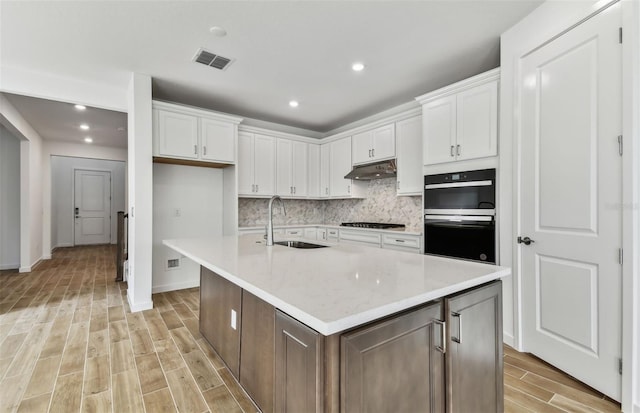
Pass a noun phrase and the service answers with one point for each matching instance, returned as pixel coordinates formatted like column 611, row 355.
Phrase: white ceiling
column 282, row 50
column 60, row 121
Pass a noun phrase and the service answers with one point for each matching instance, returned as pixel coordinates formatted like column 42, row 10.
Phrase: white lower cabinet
column 311, row 233
column 359, row 237
column 294, row 232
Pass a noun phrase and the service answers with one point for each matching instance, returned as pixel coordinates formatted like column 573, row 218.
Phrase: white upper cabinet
column 461, row 121
column 256, row 164
column 409, row 156
column 325, row 169
column 477, row 122
column 176, row 135
column 217, row 140
column 439, row 120
column 374, row 145
column 339, row 166
column 291, row 168
column 313, row 170
column 181, row 132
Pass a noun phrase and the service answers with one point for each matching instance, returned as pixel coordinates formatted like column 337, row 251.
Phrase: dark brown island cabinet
column 442, row 356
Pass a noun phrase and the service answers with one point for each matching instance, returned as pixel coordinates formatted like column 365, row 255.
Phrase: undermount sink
column 300, row 244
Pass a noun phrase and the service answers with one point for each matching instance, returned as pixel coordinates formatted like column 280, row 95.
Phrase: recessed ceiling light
column 88, row 139
column 80, row 107
column 357, row 67
column 84, row 126
column 218, row 31
column 293, row 103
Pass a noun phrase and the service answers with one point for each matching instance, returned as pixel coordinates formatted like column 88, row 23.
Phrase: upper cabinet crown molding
column 191, row 110
column 374, row 124
column 277, row 134
column 482, row 78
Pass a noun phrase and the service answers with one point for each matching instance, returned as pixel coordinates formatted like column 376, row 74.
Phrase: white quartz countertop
column 336, row 288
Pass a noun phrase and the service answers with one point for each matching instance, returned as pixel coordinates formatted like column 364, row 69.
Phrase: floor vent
column 175, row 263
column 211, row 59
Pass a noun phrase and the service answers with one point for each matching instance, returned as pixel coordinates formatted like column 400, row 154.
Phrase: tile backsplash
column 380, row 205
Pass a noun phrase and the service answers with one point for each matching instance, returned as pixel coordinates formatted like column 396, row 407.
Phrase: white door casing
column 92, row 203
column 570, row 91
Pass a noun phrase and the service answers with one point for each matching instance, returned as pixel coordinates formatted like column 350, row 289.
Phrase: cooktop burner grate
column 374, row 225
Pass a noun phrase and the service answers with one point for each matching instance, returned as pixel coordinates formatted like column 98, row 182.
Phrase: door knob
column 525, row 241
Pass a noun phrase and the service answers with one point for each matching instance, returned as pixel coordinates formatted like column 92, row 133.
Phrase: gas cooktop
column 374, row 225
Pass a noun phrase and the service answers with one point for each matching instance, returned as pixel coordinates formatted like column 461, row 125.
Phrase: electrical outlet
column 234, row 320
column 174, row 263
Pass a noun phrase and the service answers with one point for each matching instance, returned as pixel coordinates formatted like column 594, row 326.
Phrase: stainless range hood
column 377, row 170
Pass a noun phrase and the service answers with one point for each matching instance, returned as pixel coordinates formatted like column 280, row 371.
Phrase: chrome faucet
column 270, row 219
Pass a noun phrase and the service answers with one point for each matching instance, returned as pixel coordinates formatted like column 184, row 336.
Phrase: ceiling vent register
column 211, row 59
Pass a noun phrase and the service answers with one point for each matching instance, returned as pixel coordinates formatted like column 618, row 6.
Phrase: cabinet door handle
column 443, row 336
column 459, row 317
column 458, row 150
column 348, row 189
column 257, row 188
column 291, row 190
column 373, row 152
column 399, row 240
column 451, row 151
column 253, row 188
column 294, row 189
column 326, row 190
column 195, row 149
column 369, row 153
column 204, row 150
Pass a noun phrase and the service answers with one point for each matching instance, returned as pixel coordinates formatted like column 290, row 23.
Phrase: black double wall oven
column 459, row 215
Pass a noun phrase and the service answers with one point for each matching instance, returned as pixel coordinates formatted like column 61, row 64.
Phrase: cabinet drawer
column 401, row 241
column 294, row 232
column 332, row 234
column 360, row 237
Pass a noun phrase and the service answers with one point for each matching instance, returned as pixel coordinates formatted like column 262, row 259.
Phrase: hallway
column 69, row 343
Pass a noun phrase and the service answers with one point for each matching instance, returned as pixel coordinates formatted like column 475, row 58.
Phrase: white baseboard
column 9, row 266
column 63, row 245
column 175, row 286
column 30, row 267
column 508, row 339
column 135, row 307
column 46, row 257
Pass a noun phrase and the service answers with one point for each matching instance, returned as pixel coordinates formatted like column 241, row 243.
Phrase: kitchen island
column 351, row 328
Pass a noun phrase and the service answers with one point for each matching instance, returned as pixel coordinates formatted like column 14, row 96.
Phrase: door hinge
column 620, row 35
column 620, row 366
column 620, row 256
column 620, row 147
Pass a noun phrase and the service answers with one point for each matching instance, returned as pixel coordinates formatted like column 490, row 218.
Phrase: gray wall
column 62, row 176
column 9, row 200
column 187, row 203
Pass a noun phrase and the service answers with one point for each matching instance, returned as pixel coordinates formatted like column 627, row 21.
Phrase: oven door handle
column 487, row 182
column 460, row 218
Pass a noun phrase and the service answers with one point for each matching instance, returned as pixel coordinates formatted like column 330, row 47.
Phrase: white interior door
column 92, row 193
column 570, row 190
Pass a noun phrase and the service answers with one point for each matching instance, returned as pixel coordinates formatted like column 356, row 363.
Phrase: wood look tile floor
column 69, row 343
